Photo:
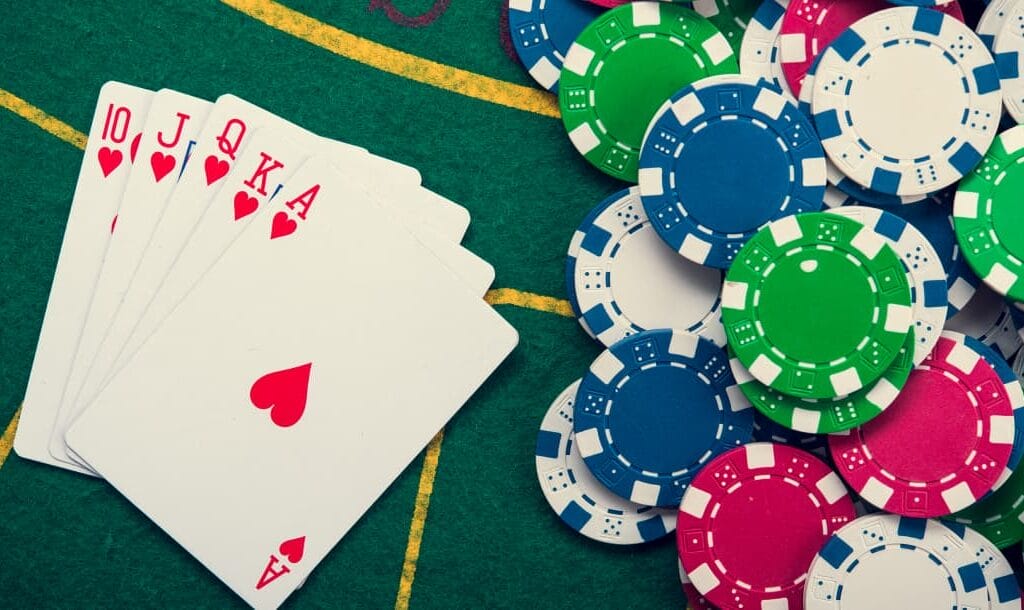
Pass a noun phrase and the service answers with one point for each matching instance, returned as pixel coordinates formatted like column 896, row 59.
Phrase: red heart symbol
column 282, row 225
column 109, row 160
column 215, row 169
column 293, row 549
column 244, row 204
column 284, row 393
column 162, row 165
column 134, row 149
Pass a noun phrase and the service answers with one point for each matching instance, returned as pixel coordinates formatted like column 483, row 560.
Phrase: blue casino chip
column 653, row 409
column 1013, row 389
column 706, row 205
column 577, row 498
column 542, row 32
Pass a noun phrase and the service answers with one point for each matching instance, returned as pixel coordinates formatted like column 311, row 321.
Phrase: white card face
column 292, row 386
column 118, row 120
column 169, row 132
column 229, row 128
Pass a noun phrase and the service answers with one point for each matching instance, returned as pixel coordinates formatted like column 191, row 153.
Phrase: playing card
column 168, row 134
column 229, row 128
column 113, row 138
column 292, row 386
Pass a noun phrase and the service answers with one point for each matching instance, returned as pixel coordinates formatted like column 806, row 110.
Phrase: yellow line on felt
column 7, row 440
column 44, row 121
column 529, row 300
column 400, row 63
column 419, row 518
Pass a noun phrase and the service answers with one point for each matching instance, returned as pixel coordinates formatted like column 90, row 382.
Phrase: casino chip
column 653, row 409
column 753, row 519
column 987, row 215
column 992, row 21
column 620, row 70
column 816, row 306
column 1003, row 592
column 937, row 227
column 906, row 101
column 1008, row 47
column 887, row 562
column 928, row 295
column 1011, row 384
column 608, row 3
column 811, row 25
column 543, row 30
column 729, row 16
column 825, row 416
column 759, row 53
column 943, row 443
column 623, row 279
column 988, row 318
column 835, row 177
column 1000, row 515
column 582, row 503
column 706, row 204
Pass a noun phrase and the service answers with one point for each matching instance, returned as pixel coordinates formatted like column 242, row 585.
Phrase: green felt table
column 426, row 83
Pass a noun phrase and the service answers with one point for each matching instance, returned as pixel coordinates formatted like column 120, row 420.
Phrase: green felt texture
column 490, row 539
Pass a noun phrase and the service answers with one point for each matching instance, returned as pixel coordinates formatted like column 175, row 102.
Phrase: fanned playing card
column 113, row 141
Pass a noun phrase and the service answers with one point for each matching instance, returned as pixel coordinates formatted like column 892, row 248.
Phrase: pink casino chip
column 941, row 445
column 753, row 519
column 811, row 25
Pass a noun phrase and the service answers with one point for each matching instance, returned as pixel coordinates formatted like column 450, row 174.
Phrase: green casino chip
column 826, row 416
column 999, row 516
column 816, row 305
column 988, row 215
column 623, row 67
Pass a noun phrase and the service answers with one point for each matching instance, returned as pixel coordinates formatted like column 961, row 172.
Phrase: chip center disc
column 1008, row 209
column 656, row 411
column 716, row 186
column 786, row 518
column 898, row 578
column 816, row 306
column 679, row 290
column 635, row 79
column 906, row 100
column 904, row 433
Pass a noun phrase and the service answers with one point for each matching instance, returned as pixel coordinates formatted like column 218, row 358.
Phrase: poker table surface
column 429, row 83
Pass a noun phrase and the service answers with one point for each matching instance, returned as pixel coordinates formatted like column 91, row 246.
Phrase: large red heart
column 244, row 204
column 282, row 225
column 215, row 169
column 284, row 393
column 162, row 165
column 293, row 549
column 109, row 160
